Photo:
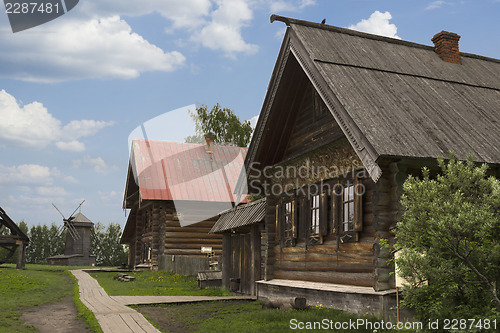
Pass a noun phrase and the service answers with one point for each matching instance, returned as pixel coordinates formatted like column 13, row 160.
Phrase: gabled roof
column 80, row 218
column 392, row 97
column 243, row 215
column 160, row 170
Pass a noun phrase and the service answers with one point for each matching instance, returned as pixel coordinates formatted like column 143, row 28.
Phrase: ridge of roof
column 291, row 21
column 183, row 143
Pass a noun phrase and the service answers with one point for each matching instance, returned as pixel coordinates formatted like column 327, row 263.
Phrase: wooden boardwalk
column 112, row 312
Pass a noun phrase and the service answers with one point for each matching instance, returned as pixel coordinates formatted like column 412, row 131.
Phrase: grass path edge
column 83, row 312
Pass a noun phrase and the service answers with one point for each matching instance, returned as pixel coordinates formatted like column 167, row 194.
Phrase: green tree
column 222, row 124
column 105, row 245
column 44, row 242
column 449, row 242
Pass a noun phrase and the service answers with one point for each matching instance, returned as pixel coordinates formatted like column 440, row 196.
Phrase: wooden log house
column 175, row 192
column 347, row 117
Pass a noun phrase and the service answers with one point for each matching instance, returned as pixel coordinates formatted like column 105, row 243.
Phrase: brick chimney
column 209, row 143
column 446, row 46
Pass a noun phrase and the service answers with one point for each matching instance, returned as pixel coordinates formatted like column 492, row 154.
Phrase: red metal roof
column 184, row 171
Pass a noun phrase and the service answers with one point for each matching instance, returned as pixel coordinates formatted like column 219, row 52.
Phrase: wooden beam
column 226, row 259
column 255, row 263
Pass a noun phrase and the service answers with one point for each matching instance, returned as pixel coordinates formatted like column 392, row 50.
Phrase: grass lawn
column 241, row 316
column 26, row 288
column 148, row 283
column 36, row 285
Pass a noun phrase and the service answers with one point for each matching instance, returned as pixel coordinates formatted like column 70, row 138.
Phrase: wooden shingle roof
column 393, row 97
column 243, row 215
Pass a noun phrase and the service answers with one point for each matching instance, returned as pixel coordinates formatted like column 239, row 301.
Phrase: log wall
column 387, row 212
column 157, row 230
column 346, row 263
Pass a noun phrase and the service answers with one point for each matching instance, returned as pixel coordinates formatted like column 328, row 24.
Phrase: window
column 288, row 216
column 315, row 214
column 348, row 207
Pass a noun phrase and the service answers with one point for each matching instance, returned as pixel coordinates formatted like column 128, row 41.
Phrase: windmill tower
column 77, row 248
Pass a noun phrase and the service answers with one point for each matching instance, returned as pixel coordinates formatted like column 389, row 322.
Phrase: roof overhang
column 292, row 45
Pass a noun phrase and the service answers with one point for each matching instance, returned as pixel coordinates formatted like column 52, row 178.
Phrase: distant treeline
column 45, row 241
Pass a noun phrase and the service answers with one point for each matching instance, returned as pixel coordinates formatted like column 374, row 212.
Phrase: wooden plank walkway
column 112, row 312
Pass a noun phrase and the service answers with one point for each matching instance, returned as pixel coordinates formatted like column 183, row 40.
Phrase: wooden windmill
column 77, row 248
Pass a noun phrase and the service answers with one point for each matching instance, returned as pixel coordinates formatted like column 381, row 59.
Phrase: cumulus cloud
column 109, row 196
column 52, row 191
column 73, row 145
column 378, row 24
column 290, row 6
column 25, row 174
column 96, row 42
column 182, row 13
column 82, row 128
column 223, row 32
column 95, row 163
column 436, row 4
column 253, row 121
column 32, row 125
column 83, row 49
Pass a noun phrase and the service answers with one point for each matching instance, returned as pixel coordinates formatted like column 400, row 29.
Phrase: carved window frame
column 286, row 221
column 347, row 225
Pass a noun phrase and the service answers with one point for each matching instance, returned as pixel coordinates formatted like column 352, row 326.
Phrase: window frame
column 338, row 221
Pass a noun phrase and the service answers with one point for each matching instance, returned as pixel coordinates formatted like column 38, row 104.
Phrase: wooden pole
column 226, row 259
column 255, row 248
column 397, row 304
column 21, row 247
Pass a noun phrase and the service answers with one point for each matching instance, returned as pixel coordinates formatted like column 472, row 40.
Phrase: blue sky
column 72, row 90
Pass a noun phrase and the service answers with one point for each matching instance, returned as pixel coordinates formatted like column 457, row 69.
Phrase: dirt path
column 58, row 317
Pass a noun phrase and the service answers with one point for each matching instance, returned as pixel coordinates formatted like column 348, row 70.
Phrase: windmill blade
column 92, row 232
column 59, row 211
column 80, row 205
column 59, row 230
column 72, row 230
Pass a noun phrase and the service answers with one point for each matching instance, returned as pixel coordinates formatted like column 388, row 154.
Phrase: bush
column 449, row 242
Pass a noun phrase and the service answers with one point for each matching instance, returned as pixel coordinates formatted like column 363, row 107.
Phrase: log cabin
column 175, row 192
column 346, row 118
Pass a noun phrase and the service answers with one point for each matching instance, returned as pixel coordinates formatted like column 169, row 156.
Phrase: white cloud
column 73, row 145
column 290, row 6
column 83, row 49
column 95, row 42
column 25, row 174
column 95, row 163
column 32, row 125
column 223, row 32
column 109, row 196
column 183, row 13
column 436, row 4
column 82, row 128
column 51, row 191
column 378, row 24
column 253, row 121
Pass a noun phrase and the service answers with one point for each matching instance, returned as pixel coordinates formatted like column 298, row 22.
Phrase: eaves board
column 272, row 90
column 358, row 141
